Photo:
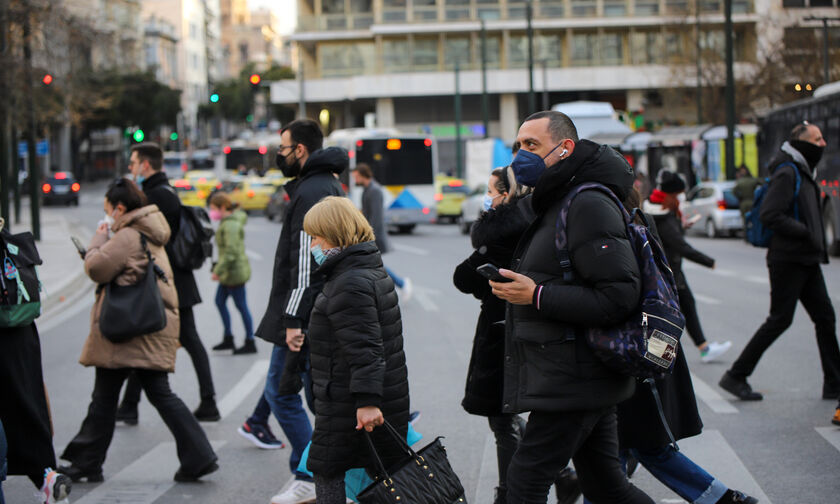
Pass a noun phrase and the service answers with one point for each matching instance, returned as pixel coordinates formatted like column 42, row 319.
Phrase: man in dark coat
column 549, row 369
column 796, row 250
column 146, row 165
column 295, row 284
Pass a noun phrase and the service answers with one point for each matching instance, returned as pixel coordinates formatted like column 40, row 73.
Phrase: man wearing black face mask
column 793, row 259
column 549, row 369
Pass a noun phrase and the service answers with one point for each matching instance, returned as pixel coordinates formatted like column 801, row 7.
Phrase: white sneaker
column 715, row 350
column 55, row 489
column 407, row 290
column 298, row 492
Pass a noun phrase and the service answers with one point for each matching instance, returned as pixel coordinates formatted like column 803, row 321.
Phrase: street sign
column 42, row 148
column 23, row 149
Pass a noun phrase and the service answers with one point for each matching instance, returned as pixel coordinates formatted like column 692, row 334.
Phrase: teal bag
column 356, row 480
column 20, row 287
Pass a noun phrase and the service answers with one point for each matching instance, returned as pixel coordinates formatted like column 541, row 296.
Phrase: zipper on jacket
column 645, row 320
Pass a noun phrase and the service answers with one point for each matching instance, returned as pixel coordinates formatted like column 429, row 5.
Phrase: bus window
column 410, row 164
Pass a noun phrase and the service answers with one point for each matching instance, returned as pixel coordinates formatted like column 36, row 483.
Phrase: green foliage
column 236, row 96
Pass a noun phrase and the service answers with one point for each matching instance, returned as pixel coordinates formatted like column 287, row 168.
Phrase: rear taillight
column 46, row 188
column 721, row 204
column 75, row 187
column 438, row 197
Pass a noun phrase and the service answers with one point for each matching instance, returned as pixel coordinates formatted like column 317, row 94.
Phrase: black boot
column 567, row 487
column 76, row 474
column 248, row 348
column 736, row 497
column 127, row 413
column 226, row 344
column 207, row 411
column 501, row 496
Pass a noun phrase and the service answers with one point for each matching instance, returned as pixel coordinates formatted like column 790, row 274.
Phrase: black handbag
column 424, row 477
column 134, row 310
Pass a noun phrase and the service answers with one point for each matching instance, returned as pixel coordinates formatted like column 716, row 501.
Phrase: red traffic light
column 47, row 80
column 255, row 79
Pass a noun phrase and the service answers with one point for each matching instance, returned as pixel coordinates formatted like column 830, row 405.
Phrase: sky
column 286, row 11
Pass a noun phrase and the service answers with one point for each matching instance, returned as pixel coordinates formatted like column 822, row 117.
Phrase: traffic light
column 255, row 79
column 138, row 135
column 173, row 136
column 47, row 80
column 214, row 98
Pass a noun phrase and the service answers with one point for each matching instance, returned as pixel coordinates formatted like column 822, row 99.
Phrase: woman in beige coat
column 122, row 259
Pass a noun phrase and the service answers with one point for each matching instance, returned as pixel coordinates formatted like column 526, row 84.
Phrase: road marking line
column 254, row 376
column 713, row 400
column 66, row 310
column 707, row 299
column 724, row 272
column 488, row 472
column 831, row 434
column 143, row 481
column 410, row 249
column 253, row 255
column 423, row 296
column 757, row 279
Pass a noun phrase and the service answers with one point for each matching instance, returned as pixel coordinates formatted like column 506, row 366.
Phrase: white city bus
column 405, row 165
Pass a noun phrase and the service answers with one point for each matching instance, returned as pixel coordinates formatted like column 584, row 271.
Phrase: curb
column 71, row 288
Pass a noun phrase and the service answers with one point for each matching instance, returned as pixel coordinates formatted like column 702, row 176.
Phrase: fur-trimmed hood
column 502, row 226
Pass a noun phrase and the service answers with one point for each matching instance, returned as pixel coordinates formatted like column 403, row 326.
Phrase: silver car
column 713, row 208
column 471, row 208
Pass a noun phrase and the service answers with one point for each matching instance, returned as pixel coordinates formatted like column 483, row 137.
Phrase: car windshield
column 454, row 189
column 60, row 182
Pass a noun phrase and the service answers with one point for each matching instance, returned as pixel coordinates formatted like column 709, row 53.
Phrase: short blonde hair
column 338, row 221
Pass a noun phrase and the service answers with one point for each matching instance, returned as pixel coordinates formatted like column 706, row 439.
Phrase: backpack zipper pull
column 644, row 319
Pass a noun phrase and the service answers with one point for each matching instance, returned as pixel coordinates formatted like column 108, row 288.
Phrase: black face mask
column 289, row 170
column 813, row 153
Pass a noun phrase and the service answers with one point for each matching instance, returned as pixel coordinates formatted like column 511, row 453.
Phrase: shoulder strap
column 561, row 239
column 152, row 264
column 798, row 186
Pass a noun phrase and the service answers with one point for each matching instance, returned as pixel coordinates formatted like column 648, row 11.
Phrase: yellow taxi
column 276, row 178
column 203, row 180
column 189, row 194
column 252, row 193
column 450, row 193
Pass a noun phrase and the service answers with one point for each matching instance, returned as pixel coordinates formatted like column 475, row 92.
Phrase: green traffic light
column 139, row 136
column 214, row 98
column 173, row 136
column 249, row 118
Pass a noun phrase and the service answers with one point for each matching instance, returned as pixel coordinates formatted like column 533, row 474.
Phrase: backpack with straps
column 644, row 345
column 20, row 287
column 756, row 232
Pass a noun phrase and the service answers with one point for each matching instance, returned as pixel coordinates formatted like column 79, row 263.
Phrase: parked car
column 471, row 208
column 60, row 187
column 276, row 208
column 714, row 207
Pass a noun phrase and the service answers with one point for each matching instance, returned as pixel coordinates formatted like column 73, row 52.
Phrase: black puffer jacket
column 494, row 236
column 160, row 193
column 548, row 365
column 799, row 241
column 672, row 237
column 294, row 281
column 356, row 345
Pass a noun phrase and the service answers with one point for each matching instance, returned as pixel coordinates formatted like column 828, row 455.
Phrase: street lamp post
column 458, row 151
column 730, row 94
column 826, row 64
column 485, row 114
column 532, row 100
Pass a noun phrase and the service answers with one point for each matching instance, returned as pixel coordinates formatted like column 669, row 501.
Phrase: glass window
column 822, row 3
column 332, row 6
column 457, row 13
column 346, row 59
column 393, row 10
column 549, row 48
column 425, row 54
column 583, row 8
column 457, row 2
column 517, row 54
column 674, row 46
column 393, row 3
column 516, row 10
column 647, row 7
column 494, row 45
column 395, row 55
column 712, row 6
column 741, row 6
column 457, row 49
column 361, row 6
column 335, row 22
column 612, row 52
column 584, row 49
column 489, row 14
column 676, row 6
column 645, row 48
column 793, row 3
column 551, row 8
column 425, row 10
column 615, row 7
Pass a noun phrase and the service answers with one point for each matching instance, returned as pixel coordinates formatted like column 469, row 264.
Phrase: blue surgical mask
column 488, row 202
column 318, row 254
column 139, row 179
column 528, row 167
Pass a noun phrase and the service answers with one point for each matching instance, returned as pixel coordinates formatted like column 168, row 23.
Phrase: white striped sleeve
column 303, row 266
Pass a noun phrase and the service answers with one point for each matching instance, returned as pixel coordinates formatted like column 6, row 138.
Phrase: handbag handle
column 400, row 441
column 152, row 264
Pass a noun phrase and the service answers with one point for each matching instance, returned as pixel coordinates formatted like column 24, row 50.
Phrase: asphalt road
column 783, row 449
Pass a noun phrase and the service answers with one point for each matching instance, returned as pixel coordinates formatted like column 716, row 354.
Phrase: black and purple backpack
column 645, row 345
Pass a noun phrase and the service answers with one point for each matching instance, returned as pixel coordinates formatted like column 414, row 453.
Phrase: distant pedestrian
column 122, row 258
column 664, row 206
column 571, row 394
column 27, row 448
column 232, row 270
column 359, row 373
column 373, row 208
column 294, row 285
column 796, row 250
column 744, row 190
column 146, row 165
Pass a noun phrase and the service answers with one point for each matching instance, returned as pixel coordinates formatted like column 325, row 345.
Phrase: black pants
column 88, row 448
column 689, row 311
column 508, row 430
column 192, row 344
column 789, row 283
column 587, row 437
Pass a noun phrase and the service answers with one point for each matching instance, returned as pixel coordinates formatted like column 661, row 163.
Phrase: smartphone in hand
column 79, row 246
column 491, row 272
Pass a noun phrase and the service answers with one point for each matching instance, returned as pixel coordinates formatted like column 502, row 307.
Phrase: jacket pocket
column 542, row 331
column 548, row 366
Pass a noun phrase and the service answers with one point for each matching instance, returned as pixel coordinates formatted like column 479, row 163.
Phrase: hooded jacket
column 799, row 241
column 294, row 280
column 160, row 193
column 356, row 351
column 232, row 267
column 123, row 259
column 672, row 237
column 548, row 364
column 494, row 236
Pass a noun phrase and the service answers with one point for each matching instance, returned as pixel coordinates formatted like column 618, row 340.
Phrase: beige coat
column 122, row 258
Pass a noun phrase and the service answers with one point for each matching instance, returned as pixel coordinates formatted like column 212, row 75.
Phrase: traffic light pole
column 5, row 169
column 485, row 114
column 459, row 162
column 34, row 169
column 730, row 94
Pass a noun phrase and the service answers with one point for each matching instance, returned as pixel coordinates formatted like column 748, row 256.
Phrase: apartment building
column 251, row 37
column 117, row 29
column 161, row 50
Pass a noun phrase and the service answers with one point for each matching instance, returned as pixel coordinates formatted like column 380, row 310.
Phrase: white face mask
column 109, row 220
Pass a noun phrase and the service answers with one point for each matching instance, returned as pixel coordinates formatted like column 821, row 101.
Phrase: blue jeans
column 680, row 474
column 238, row 293
column 398, row 281
column 288, row 409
